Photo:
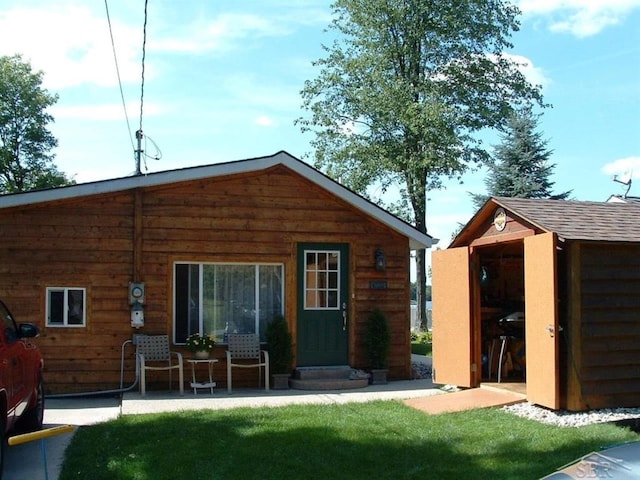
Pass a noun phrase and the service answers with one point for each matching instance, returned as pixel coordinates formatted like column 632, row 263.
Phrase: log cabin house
column 542, row 295
column 215, row 249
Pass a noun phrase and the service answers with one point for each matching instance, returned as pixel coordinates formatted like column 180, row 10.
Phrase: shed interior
column 500, row 284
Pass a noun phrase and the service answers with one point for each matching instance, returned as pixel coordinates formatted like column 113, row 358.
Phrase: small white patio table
column 194, row 383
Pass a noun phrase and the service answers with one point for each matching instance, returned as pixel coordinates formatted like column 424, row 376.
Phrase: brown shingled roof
column 577, row 220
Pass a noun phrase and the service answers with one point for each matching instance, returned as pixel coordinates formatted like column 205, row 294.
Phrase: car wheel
column 33, row 418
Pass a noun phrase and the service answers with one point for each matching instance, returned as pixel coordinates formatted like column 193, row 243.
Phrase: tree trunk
column 421, row 280
column 419, row 203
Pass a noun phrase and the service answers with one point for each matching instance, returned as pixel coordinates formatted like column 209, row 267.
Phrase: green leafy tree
column 403, row 93
column 25, row 141
column 520, row 166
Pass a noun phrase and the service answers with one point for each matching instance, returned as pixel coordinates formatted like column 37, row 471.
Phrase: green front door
column 323, row 324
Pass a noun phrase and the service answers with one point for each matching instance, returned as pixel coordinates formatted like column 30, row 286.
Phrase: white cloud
column 535, row 75
column 348, row 128
column 220, row 33
column 624, row 168
column 264, row 121
column 70, row 45
column 108, row 112
column 250, row 89
column 581, row 18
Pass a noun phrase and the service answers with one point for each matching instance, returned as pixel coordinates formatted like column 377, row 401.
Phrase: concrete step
column 328, row 378
column 311, row 373
column 328, row 383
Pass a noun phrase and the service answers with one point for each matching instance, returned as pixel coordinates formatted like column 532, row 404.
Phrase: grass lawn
column 378, row 440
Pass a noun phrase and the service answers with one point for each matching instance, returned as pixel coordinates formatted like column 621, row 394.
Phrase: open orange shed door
column 541, row 320
column 451, row 297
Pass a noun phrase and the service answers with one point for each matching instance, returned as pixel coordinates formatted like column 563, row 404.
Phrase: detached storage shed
column 545, row 295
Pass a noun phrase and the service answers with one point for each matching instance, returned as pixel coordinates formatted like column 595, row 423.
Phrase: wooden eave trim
column 417, row 239
column 507, row 237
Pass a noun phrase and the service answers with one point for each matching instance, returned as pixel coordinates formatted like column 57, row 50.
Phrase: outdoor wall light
column 381, row 261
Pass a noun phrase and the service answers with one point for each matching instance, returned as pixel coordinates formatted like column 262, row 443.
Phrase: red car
column 21, row 389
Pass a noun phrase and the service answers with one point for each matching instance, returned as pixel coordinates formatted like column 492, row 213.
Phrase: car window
column 8, row 324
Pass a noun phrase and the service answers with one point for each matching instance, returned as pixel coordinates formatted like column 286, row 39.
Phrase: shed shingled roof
column 579, row 220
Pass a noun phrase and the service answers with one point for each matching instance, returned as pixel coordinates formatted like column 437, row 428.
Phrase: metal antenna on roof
column 139, row 151
column 627, row 183
column 139, row 133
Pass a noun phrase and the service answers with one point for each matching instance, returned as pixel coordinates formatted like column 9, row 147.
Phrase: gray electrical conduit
column 112, row 391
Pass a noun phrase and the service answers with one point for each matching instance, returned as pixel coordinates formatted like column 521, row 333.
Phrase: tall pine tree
column 520, row 164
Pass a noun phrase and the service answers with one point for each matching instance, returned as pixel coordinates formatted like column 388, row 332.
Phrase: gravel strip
column 420, row 370
column 563, row 418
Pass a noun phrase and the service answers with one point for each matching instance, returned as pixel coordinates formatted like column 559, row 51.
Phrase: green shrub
column 421, row 349
column 421, row 337
column 377, row 339
column 421, row 342
column 279, row 344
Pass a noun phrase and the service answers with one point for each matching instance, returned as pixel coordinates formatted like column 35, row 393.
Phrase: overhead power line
column 139, row 133
column 115, row 58
column 138, row 152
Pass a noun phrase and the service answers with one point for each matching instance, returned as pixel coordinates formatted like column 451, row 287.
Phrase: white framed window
column 66, row 307
column 219, row 298
column 321, row 280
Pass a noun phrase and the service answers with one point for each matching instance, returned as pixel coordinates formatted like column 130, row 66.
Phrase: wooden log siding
column 89, row 242
column 609, row 334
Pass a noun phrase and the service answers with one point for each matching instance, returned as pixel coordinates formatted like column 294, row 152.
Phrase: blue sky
column 222, row 83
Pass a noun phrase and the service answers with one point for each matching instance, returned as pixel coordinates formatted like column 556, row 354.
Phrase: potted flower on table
column 200, row 345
